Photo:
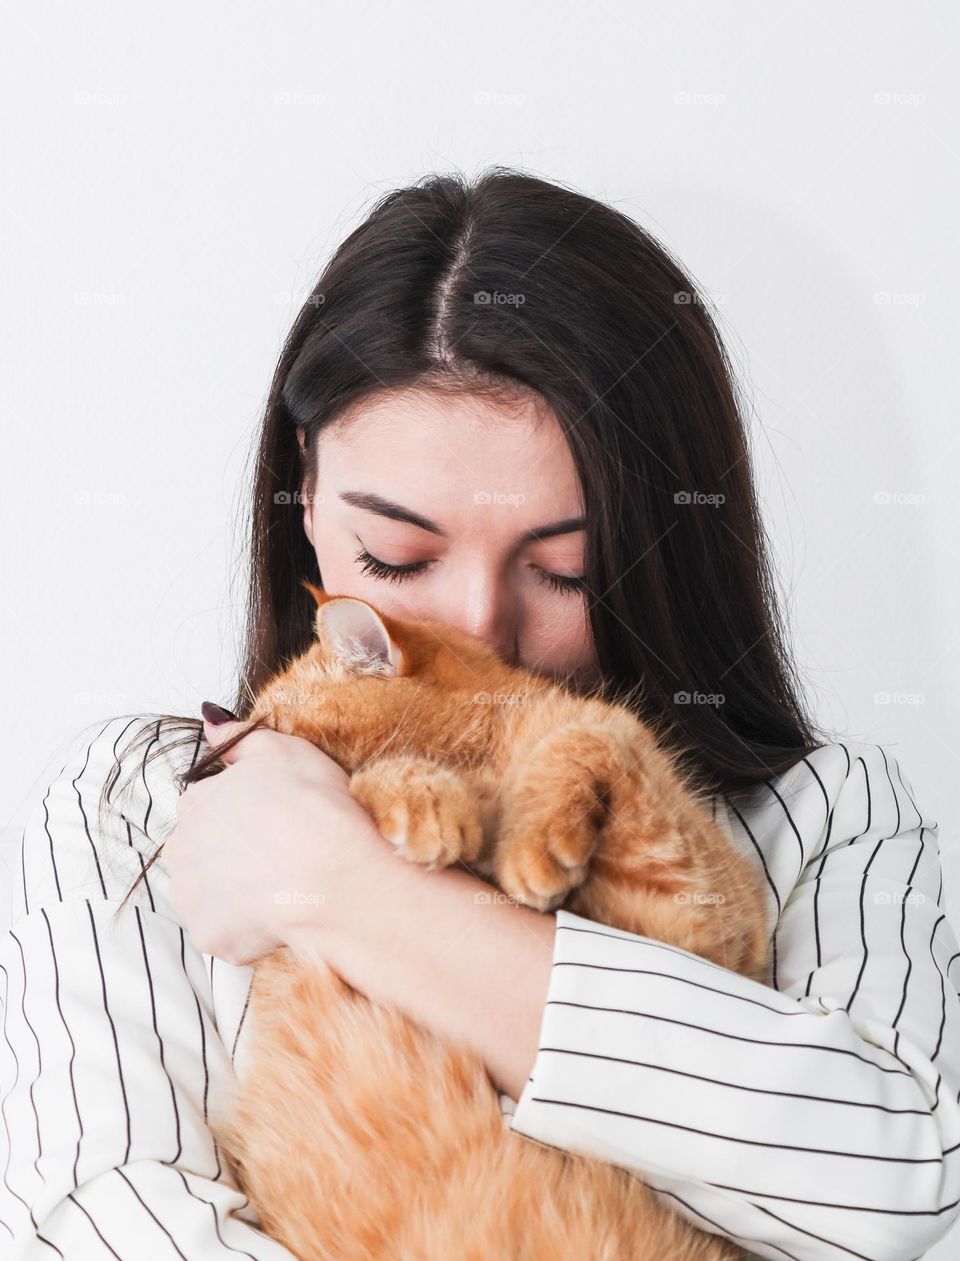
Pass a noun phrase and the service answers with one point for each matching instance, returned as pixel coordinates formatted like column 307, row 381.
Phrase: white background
column 175, row 177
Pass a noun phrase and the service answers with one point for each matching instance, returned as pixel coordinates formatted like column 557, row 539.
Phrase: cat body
column 360, row 1136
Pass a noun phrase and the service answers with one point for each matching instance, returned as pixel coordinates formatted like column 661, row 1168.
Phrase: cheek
column 338, row 573
column 557, row 631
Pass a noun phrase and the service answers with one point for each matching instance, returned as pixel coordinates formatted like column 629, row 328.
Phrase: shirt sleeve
column 111, row 1057
column 812, row 1117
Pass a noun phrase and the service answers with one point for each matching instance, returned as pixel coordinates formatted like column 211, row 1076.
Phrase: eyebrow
column 370, row 502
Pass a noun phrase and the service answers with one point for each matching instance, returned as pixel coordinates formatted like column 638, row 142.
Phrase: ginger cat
column 360, row 1136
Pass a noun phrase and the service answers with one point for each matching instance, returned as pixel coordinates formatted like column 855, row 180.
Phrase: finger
column 217, row 732
column 221, row 733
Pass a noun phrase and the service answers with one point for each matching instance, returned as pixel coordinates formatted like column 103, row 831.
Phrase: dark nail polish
column 216, row 714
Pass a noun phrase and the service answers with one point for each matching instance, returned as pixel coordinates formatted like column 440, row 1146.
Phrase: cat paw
column 429, row 812
column 540, row 861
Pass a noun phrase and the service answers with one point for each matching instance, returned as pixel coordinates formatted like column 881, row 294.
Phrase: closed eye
column 392, row 573
column 370, row 564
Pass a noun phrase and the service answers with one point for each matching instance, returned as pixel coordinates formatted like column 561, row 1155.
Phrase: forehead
column 449, row 455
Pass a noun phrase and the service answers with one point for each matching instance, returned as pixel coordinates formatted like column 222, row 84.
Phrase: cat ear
column 354, row 632
column 318, row 593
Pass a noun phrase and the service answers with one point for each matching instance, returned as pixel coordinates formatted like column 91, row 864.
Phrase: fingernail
column 216, row 714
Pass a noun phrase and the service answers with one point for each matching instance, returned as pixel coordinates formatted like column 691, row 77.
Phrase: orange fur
column 360, row 1136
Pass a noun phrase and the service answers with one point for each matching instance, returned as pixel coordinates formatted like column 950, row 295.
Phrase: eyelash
column 399, row 573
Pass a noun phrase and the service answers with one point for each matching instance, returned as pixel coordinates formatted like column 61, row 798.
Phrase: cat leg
column 432, row 813
column 554, row 808
column 599, row 820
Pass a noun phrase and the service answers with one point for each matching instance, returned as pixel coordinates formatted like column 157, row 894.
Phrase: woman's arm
column 453, row 954
column 111, row 1058
column 814, row 1118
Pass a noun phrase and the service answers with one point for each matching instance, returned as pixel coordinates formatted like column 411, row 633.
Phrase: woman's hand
column 274, row 840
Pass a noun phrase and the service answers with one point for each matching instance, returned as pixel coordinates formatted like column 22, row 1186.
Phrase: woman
column 504, row 406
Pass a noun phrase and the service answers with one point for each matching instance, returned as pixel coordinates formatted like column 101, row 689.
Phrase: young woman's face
column 449, row 489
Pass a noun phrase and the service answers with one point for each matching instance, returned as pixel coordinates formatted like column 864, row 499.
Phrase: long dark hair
column 510, row 281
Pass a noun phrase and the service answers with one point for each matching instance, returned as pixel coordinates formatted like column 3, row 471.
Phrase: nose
column 499, row 636
column 485, row 611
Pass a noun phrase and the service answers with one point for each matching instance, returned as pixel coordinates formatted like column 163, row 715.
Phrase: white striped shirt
column 815, row 1116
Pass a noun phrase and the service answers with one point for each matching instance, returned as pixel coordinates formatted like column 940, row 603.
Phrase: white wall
column 175, row 178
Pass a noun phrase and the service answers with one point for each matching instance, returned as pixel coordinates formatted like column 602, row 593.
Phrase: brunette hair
column 508, row 283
